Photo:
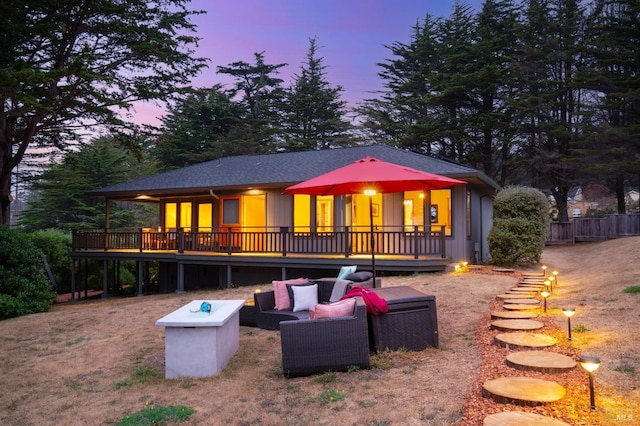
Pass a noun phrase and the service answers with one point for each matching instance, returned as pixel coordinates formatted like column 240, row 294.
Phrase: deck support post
column 180, row 289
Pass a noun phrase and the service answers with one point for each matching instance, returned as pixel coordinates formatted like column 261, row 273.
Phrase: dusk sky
column 351, row 35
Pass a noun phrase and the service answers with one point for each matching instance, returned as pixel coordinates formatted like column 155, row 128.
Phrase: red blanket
column 375, row 304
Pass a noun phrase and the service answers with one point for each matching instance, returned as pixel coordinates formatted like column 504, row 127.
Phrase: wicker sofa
column 311, row 346
column 268, row 317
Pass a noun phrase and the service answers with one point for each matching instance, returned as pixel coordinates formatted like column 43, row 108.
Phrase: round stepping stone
column 517, row 324
column 521, row 418
column 510, row 296
column 513, row 314
column 525, row 301
column 503, row 270
column 545, row 361
column 523, row 390
column 523, row 340
column 518, row 306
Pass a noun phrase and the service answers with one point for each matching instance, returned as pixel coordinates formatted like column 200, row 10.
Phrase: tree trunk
column 620, row 196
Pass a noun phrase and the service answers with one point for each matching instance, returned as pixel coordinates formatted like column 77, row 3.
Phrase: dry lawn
column 93, row 362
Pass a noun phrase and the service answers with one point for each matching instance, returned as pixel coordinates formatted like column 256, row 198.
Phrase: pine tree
column 313, row 114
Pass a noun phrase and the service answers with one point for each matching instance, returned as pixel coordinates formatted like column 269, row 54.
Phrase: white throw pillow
column 305, row 297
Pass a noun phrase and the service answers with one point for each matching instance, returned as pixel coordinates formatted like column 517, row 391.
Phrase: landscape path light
column 555, row 276
column 569, row 313
column 545, row 294
column 544, row 270
column 591, row 364
column 548, row 286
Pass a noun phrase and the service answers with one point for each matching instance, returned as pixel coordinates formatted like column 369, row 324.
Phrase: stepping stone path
column 520, row 418
column 517, row 324
column 523, row 340
column 523, row 390
column 545, row 361
column 513, row 314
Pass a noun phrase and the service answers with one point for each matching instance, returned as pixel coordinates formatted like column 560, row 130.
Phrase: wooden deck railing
column 594, row 229
column 344, row 241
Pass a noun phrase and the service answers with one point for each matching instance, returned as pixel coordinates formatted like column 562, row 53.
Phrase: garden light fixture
column 591, row 364
column 555, row 276
column 569, row 313
column 544, row 270
column 545, row 294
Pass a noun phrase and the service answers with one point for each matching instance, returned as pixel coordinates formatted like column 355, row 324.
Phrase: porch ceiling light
column 370, row 192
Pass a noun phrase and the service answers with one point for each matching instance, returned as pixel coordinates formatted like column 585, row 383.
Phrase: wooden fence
column 594, row 229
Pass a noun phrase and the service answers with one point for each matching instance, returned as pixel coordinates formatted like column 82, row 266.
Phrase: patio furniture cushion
column 339, row 289
column 343, row 308
column 346, row 270
column 304, row 297
column 358, row 277
column 282, row 298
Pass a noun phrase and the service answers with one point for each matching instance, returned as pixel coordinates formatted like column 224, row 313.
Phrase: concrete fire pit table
column 199, row 344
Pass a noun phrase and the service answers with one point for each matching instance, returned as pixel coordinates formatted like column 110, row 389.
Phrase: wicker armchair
column 330, row 344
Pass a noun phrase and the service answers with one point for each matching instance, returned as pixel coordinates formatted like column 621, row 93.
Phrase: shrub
column 520, row 226
column 56, row 246
column 24, row 287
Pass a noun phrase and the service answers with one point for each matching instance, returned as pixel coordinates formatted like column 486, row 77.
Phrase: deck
column 277, row 254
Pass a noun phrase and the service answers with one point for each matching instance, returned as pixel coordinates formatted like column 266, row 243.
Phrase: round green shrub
column 24, row 287
column 520, row 226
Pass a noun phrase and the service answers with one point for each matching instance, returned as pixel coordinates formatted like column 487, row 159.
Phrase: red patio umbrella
column 371, row 174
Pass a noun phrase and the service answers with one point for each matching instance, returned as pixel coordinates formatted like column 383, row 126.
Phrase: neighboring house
column 226, row 221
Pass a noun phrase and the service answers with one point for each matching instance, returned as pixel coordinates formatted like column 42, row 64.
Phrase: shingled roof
column 281, row 170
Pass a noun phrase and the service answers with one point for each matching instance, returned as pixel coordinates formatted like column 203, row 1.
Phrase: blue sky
column 351, row 35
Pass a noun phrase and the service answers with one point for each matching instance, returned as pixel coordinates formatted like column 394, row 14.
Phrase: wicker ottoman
column 411, row 322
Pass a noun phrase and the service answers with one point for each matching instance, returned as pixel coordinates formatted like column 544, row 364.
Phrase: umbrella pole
column 373, row 241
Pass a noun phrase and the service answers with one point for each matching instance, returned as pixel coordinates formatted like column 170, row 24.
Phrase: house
column 226, row 222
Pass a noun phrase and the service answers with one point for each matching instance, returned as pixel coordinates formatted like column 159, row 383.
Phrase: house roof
column 281, row 170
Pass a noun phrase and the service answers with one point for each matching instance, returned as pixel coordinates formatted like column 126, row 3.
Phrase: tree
column 75, row 64
column 197, row 128
column 60, row 198
column 492, row 84
column 313, row 111
column 406, row 114
column 614, row 74
column 550, row 100
column 260, row 92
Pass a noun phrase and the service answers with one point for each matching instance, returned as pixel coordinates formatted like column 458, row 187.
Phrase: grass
column 580, row 329
column 151, row 415
column 327, row 396
column 632, row 289
column 627, row 369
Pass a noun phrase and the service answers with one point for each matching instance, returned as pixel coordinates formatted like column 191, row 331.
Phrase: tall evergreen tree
column 313, row 112
column 492, row 86
column 260, row 92
column 614, row 75
column 59, row 198
column 197, row 128
column 69, row 65
column 550, row 98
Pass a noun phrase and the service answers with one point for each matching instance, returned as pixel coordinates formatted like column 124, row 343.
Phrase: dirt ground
column 93, row 362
